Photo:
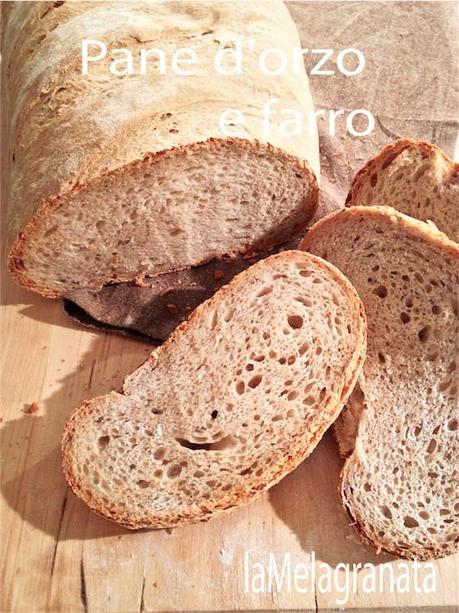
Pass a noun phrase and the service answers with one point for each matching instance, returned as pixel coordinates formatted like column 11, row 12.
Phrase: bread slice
column 236, row 398
column 114, row 178
column 400, row 484
column 414, row 177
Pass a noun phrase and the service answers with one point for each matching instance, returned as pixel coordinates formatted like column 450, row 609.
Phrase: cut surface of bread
column 400, row 483
column 117, row 177
column 168, row 212
column 414, row 177
column 233, row 401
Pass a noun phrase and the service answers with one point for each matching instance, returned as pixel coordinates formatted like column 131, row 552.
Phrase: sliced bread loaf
column 119, row 177
column 400, row 484
column 416, row 178
column 234, row 400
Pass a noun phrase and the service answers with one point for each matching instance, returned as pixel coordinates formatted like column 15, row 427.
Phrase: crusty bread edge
column 422, row 230
column 387, row 155
column 284, row 465
column 32, row 226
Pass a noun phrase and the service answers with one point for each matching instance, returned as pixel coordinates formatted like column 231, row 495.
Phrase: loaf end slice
column 399, row 430
column 414, row 177
column 236, row 398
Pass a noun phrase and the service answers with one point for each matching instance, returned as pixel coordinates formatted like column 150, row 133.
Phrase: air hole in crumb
column 292, row 395
column 214, row 414
column 174, row 471
column 432, row 446
column 381, row 357
column 103, row 442
column 295, row 321
column 423, row 334
column 303, row 348
column 255, row 381
column 277, row 418
column 380, row 291
column 226, row 442
column 410, row 522
column 240, row 387
column 264, row 291
column 143, row 484
column 386, row 512
column 405, row 317
column 159, row 453
column 452, row 424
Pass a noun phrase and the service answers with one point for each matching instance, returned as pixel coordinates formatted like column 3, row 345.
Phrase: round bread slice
column 416, row 178
column 400, row 484
column 236, row 398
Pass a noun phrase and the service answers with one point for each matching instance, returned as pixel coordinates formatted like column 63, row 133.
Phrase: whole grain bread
column 236, row 398
column 400, row 483
column 414, row 177
column 113, row 179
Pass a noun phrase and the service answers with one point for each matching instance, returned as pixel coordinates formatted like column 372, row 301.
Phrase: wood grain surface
column 56, row 555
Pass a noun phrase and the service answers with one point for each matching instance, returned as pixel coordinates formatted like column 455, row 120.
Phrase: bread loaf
column 234, row 400
column 119, row 178
column 416, row 178
column 400, row 484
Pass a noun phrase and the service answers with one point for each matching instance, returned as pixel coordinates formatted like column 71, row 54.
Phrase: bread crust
column 310, row 203
column 284, row 465
column 438, row 240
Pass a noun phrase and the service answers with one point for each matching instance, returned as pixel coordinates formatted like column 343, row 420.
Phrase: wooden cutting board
column 57, row 556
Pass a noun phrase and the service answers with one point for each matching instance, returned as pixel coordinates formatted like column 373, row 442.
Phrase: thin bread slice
column 400, row 484
column 236, row 398
column 416, row 178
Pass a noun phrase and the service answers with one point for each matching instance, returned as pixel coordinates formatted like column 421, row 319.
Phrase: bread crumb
column 172, row 308
column 31, row 408
column 139, row 280
column 218, row 274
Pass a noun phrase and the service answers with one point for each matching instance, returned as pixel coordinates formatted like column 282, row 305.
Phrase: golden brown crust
column 285, row 465
column 33, row 226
